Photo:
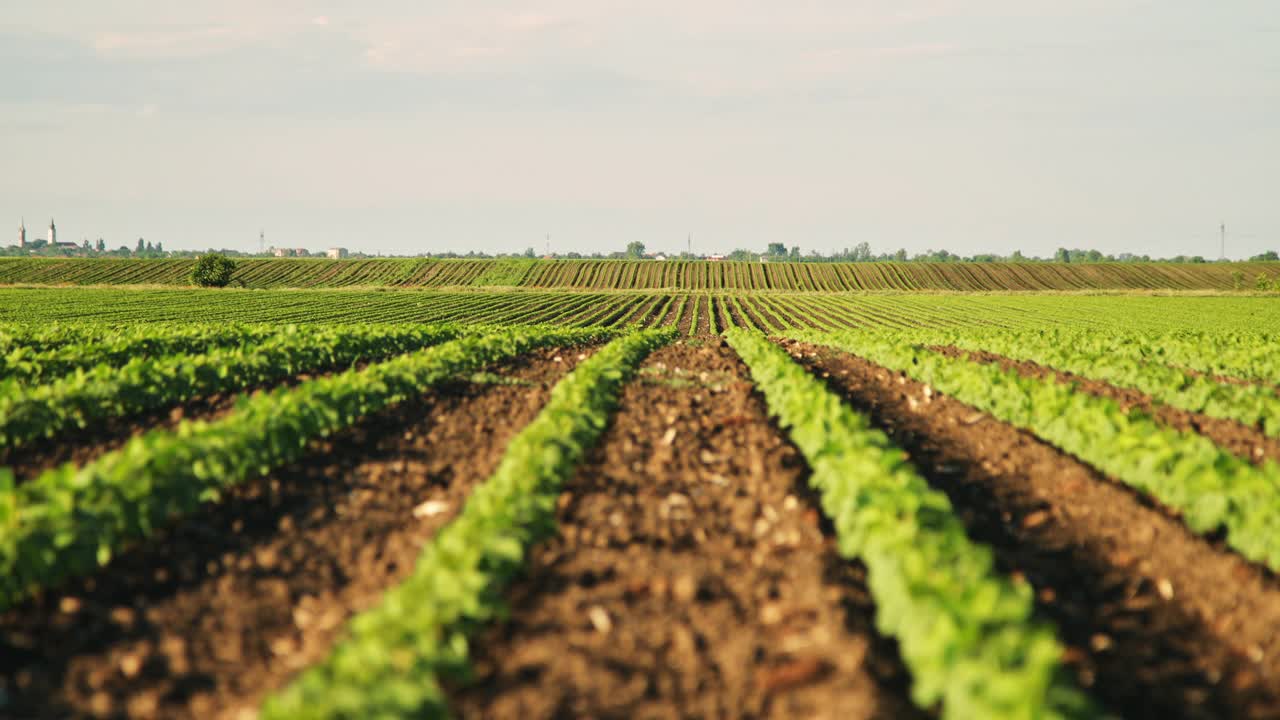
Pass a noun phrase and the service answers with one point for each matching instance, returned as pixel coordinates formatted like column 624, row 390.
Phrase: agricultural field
column 650, row 275
column 643, row 503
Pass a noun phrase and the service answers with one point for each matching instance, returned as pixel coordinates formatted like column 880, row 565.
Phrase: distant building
column 22, row 234
column 282, row 252
column 336, row 253
column 53, row 239
column 715, row 258
column 301, row 252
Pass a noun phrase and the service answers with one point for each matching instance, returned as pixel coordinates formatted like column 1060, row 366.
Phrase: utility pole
column 262, row 242
column 689, row 244
column 1222, row 229
column 548, row 244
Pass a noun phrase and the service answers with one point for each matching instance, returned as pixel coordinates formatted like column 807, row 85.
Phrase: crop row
column 1140, row 362
column 28, row 412
column 966, row 633
column 1212, row 489
column 70, row 519
column 764, row 311
column 640, row 275
column 43, row 355
column 389, row 664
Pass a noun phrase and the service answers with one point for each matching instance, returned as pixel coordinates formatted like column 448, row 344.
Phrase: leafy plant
column 212, row 270
column 69, row 520
column 389, row 663
column 145, row 383
column 1213, row 489
column 967, row 634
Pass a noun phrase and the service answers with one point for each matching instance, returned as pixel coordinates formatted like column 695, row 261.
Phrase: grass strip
column 966, row 633
column 144, row 384
column 1211, row 488
column 393, row 654
column 69, row 520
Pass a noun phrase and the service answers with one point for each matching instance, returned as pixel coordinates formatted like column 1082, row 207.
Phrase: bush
column 212, row 270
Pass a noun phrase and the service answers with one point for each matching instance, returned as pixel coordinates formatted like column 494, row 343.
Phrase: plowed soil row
column 206, row 617
column 1160, row 622
column 691, row 576
column 1247, row 442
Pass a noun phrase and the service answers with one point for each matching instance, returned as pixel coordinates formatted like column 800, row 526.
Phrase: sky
column 399, row 126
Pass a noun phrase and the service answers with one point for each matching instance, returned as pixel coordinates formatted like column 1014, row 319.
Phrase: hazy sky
column 409, row 125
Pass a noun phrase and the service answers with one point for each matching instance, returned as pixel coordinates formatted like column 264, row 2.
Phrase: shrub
column 1262, row 282
column 213, row 270
column 1237, row 280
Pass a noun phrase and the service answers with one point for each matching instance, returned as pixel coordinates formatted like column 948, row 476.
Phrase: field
column 649, row 275
column 656, row 501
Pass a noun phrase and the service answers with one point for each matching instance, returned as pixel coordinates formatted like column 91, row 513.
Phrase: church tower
column 53, row 233
column 22, row 234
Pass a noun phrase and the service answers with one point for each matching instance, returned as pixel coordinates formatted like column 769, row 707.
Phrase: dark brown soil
column 703, row 304
column 691, row 576
column 1247, row 442
column 1161, row 622
column 205, row 618
column 687, row 320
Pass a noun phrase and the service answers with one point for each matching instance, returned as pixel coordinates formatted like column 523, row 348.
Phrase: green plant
column 1213, row 489
column 212, row 270
column 1237, row 279
column 69, row 520
column 967, row 634
column 389, row 663
column 28, row 412
column 1262, row 282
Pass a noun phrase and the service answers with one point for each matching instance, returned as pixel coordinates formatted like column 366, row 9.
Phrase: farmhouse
column 336, row 253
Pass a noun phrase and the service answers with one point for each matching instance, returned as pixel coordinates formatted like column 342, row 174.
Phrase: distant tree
column 795, row 253
column 776, row 250
column 102, row 245
column 1268, row 256
column 141, row 247
column 635, row 249
column 529, row 253
column 159, row 247
column 861, row 252
column 149, row 248
column 85, row 245
column 212, row 270
column 1063, row 255
column 901, row 255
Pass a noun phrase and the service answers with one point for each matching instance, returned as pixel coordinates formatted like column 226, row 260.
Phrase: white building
column 336, row 253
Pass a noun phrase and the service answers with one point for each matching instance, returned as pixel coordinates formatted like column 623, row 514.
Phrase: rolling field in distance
column 535, row 502
column 645, row 275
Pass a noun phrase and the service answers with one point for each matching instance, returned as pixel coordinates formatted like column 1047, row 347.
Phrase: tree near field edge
column 212, row 270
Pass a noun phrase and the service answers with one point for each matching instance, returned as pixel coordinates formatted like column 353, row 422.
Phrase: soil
column 687, row 321
column 1159, row 622
column 1242, row 440
column 206, row 617
column 703, row 305
column 690, row 577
